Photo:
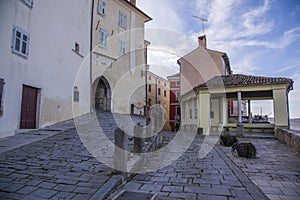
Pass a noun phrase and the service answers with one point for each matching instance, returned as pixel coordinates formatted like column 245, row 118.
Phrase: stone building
column 175, row 113
column 158, row 94
column 118, row 56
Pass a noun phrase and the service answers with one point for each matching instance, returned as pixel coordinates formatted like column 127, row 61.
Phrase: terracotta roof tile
column 241, row 80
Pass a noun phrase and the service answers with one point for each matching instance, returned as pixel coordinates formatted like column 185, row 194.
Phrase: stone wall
column 290, row 138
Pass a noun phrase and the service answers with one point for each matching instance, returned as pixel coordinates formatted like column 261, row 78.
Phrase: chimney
column 202, row 41
column 133, row 2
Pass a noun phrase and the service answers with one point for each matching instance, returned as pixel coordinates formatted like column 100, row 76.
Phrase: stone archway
column 102, row 94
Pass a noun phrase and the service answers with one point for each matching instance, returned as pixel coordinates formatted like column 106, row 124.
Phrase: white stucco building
column 47, row 74
column 42, row 45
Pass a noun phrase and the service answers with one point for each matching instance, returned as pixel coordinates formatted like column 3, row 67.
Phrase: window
column 1, row 94
column 20, row 43
column 29, row 3
column 103, row 36
column 76, row 94
column 158, row 102
column 158, row 91
column 165, row 84
column 149, row 102
column 77, row 47
column 122, row 19
column 149, row 77
column 177, row 83
column 149, row 88
column 122, row 46
column 165, row 93
column 101, row 7
column 158, row 81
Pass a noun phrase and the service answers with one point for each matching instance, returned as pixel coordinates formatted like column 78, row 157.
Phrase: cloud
column 163, row 12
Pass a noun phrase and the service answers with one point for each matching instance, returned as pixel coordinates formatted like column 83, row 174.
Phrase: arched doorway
column 102, row 95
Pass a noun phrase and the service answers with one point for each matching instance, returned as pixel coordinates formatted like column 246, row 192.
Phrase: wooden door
column 28, row 107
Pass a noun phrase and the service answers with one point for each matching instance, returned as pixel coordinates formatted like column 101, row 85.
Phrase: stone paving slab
column 276, row 170
column 190, row 177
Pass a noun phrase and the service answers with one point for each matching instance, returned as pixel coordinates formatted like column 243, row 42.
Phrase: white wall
column 54, row 27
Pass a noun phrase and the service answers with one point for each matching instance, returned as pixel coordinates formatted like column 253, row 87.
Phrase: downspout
column 288, row 109
column 91, row 57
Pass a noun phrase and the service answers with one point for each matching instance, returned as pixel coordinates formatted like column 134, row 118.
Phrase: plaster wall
column 51, row 65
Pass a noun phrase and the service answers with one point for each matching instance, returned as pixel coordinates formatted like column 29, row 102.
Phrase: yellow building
column 118, row 56
column 158, row 93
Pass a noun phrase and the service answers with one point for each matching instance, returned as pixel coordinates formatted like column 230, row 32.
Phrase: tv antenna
column 202, row 20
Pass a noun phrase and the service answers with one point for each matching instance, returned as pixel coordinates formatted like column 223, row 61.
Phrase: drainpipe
column 288, row 109
column 91, row 57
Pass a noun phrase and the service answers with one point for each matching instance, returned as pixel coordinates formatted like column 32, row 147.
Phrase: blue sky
column 261, row 37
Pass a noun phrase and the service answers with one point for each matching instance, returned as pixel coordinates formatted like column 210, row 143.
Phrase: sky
column 260, row 37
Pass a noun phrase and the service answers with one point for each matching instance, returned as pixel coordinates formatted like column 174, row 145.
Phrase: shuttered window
column 101, row 7
column 122, row 19
column 29, row 3
column 103, row 37
column 20, row 42
column 122, row 47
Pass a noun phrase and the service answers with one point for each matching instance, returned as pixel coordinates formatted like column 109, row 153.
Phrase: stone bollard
column 149, row 128
column 121, row 152
column 138, row 139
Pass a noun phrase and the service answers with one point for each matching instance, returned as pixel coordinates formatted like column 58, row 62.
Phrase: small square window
column 103, row 37
column 20, row 42
column 101, row 7
column 122, row 19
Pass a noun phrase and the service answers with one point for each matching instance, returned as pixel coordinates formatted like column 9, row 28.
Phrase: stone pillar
column 121, row 152
column 280, row 108
column 149, row 128
column 204, row 100
column 193, row 111
column 138, row 139
column 249, row 112
column 240, row 126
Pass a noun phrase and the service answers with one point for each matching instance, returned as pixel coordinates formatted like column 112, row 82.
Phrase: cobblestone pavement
column 276, row 170
column 58, row 166
column 51, row 164
column 212, row 177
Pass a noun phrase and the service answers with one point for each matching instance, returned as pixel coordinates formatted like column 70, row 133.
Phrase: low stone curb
column 108, row 187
